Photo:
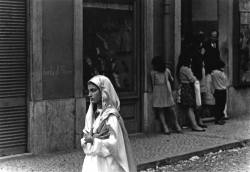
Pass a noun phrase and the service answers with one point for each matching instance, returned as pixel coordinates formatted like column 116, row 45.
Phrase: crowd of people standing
column 199, row 68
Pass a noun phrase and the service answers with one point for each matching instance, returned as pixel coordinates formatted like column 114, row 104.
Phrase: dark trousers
column 220, row 103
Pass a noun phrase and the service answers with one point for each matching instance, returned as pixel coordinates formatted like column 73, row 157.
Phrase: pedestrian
column 105, row 141
column 208, row 100
column 162, row 94
column 211, row 56
column 220, row 83
column 212, row 53
column 187, row 92
column 197, row 66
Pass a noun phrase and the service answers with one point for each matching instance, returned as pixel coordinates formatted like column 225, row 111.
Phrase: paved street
column 232, row 160
column 149, row 149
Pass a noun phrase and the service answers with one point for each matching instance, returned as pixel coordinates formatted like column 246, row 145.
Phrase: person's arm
column 213, row 82
column 151, row 80
column 189, row 74
column 170, row 77
column 106, row 147
column 227, row 81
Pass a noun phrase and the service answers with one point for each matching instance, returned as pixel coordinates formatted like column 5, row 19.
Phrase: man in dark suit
column 212, row 53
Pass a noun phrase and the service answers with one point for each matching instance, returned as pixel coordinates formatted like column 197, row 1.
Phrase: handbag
column 178, row 94
column 197, row 93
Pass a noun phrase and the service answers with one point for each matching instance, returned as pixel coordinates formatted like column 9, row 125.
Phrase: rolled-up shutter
column 13, row 77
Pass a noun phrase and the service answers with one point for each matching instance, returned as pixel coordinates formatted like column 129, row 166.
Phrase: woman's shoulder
column 153, row 72
column 111, row 112
column 216, row 72
column 184, row 68
column 167, row 70
column 112, row 119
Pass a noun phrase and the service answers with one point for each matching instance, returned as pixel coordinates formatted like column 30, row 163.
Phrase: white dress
column 100, row 156
column 112, row 152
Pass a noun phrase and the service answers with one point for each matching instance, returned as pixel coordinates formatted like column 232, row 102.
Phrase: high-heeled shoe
column 198, row 130
column 179, row 132
column 166, row 132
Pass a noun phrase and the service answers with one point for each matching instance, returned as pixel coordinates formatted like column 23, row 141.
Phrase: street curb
column 15, row 156
column 171, row 160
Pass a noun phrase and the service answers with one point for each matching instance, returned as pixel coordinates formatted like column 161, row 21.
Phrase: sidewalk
column 148, row 149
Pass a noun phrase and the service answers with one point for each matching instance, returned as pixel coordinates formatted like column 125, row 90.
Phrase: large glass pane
column 109, row 42
column 244, row 48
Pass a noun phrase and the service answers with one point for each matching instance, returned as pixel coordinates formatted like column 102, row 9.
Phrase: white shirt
column 219, row 80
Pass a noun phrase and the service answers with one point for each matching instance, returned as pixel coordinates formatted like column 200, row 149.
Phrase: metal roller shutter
column 13, row 77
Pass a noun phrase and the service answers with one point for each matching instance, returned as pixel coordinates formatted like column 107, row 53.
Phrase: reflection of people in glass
column 115, row 73
column 244, row 57
column 124, row 76
column 126, row 37
column 110, row 37
column 90, row 69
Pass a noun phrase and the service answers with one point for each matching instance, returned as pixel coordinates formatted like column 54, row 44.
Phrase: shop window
column 243, row 71
column 109, row 42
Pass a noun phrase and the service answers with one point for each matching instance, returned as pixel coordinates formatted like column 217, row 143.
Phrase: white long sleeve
column 105, row 147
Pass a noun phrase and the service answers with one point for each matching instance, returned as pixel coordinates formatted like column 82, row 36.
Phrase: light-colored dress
column 208, row 96
column 113, row 152
column 99, row 156
column 162, row 92
column 187, row 80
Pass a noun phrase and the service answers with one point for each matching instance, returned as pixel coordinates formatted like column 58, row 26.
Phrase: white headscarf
column 109, row 95
column 109, row 98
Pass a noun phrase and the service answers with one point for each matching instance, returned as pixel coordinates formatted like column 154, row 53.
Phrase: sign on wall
column 58, row 68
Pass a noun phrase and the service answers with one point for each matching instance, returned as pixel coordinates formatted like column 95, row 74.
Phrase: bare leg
column 200, row 122
column 192, row 119
column 163, row 121
column 198, row 117
column 176, row 123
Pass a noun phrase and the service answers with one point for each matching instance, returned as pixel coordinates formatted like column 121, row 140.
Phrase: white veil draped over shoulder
column 111, row 105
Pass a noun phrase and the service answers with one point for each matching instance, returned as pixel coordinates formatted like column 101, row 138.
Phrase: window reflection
column 108, row 44
column 244, row 8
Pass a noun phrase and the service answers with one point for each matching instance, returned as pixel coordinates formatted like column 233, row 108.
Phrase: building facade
column 50, row 48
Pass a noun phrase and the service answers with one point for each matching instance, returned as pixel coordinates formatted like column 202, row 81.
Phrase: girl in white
column 105, row 141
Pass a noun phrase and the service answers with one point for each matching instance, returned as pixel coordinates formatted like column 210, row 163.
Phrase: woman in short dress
column 187, row 97
column 162, row 94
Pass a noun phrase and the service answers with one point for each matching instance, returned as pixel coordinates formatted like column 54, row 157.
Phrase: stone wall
column 56, row 103
column 56, row 124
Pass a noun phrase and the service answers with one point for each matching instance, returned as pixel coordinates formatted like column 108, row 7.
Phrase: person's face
column 89, row 61
column 94, row 94
column 203, row 51
column 214, row 34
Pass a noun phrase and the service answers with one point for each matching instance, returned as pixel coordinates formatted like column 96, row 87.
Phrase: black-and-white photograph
column 124, row 85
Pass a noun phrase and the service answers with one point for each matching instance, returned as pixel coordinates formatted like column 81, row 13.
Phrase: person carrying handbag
column 187, row 91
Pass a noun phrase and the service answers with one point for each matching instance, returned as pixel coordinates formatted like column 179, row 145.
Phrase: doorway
column 110, row 38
